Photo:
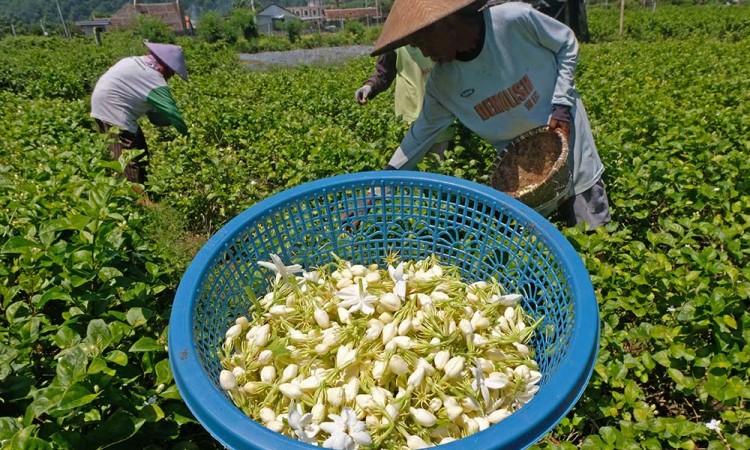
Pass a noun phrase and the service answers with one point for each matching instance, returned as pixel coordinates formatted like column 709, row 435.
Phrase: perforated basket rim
column 233, row 429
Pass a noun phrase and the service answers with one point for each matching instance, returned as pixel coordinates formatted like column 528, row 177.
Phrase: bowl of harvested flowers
column 384, row 310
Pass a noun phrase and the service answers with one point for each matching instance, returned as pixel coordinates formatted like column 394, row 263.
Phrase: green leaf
column 98, row 334
column 163, row 372
column 117, row 428
column 146, row 344
column 25, row 440
column 117, row 357
column 18, row 244
column 139, row 316
column 76, row 396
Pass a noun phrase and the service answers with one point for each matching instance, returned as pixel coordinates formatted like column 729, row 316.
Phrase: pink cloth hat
column 171, row 55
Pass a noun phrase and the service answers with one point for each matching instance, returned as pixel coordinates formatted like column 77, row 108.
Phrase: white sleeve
column 432, row 120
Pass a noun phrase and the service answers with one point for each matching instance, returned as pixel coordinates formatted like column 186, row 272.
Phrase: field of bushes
column 87, row 275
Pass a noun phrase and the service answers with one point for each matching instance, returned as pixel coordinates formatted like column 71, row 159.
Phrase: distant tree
column 243, row 19
column 211, row 27
column 153, row 29
column 354, row 27
column 293, row 28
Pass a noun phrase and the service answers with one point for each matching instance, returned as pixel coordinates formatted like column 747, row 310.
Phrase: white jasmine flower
column 454, row 367
column 441, row 358
column 233, row 332
column 416, row 378
column 345, row 354
column 398, row 365
column 423, row 417
column 321, row 318
column 346, row 432
column 264, row 357
column 267, row 415
column 399, row 278
column 356, row 298
column 290, row 390
column 415, row 442
column 268, row 374
column 290, row 372
column 714, row 425
column 302, row 425
column 390, row 301
column 283, row 271
column 227, row 380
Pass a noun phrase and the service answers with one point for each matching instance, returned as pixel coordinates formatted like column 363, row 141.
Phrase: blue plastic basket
column 479, row 230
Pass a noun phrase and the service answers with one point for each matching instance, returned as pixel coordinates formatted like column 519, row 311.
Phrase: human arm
column 164, row 110
column 424, row 131
column 381, row 80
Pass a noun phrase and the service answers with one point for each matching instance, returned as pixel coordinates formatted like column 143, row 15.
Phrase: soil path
column 324, row 55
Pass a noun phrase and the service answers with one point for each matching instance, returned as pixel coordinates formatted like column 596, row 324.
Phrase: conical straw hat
column 171, row 55
column 409, row 16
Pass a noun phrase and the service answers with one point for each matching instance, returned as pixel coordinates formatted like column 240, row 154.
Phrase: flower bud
column 441, row 358
column 378, row 369
column 453, row 412
column 278, row 310
column 310, row 383
column 233, row 332
column 423, row 417
column 322, row 349
column 392, row 410
column 238, row 372
column 397, row 365
column 522, row 349
column 509, row 299
column 265, row 357
column 262, row 336
column 290, row 390
column 466, row 328
column 227, row 380
column 404, row 327
column 268, row 374
column 267, row 415
column 498, row 415
column 470, row 404
column 374, row 329
column 372, row 277
column 415, row 379
column 251, row 388
column 446, row 440
column 290, row 372
column 364, row 401
column 454, row 367
column 344, row 355
column 275, row 426
column 435, row 404
column 439, row 296
column 389, row 331
column 335, row 396
column 415, row 442
column 390, row 301
column 242, row 322
column 351, row 389
column 344, row 282
column 482, row 422
column 318, row 413
column 471, row 426
column 403, row 342
column 510, row 314
column 358, row 270
column 321, row 318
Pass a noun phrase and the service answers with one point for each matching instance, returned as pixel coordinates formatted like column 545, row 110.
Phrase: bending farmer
column 502, row 71
column 135, row 86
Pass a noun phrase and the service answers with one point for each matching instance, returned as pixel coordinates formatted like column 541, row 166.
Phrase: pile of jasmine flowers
column 409, row 356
